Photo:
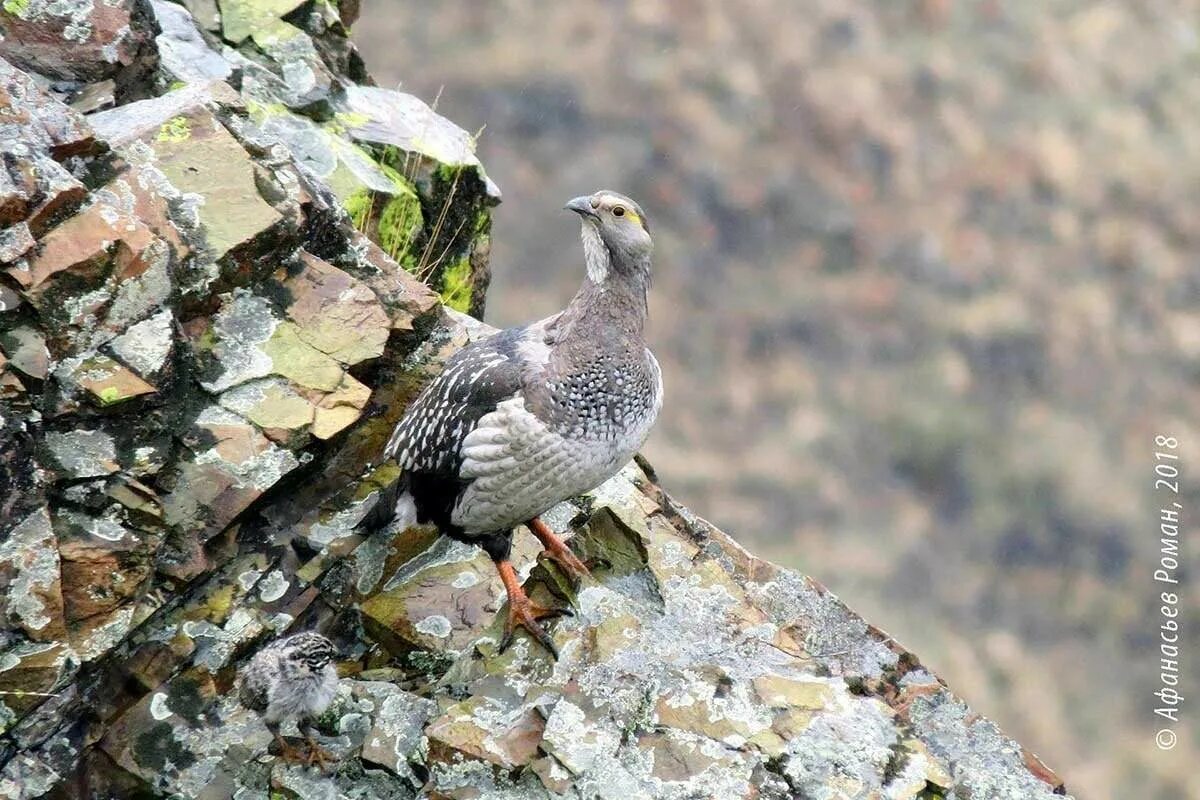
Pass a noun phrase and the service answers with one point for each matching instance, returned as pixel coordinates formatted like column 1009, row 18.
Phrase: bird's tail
column 394, row 506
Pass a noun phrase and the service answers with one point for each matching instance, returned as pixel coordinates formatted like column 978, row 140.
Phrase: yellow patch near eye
column 633, row 216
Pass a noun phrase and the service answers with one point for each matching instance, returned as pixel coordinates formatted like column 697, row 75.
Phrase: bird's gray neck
column 612, row 310
column 598, row 352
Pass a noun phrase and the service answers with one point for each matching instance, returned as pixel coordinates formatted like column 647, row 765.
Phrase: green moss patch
column 176, row 129
column 394, row 220
column 16, row 7
column 457, row 286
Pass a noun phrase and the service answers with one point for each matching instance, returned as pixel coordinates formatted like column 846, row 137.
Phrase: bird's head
column 309, row 651
column 616, row 235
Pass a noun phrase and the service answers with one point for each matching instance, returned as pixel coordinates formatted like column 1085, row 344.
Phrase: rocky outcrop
column 227, row 263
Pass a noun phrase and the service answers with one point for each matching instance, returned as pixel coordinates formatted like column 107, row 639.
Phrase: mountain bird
column 534, row 415
column 292, row 678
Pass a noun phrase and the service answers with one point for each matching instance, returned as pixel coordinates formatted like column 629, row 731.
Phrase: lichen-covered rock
column 438, row 158
column 215, row 303
column 33, row 599
column 82, row 40
column 182, row 52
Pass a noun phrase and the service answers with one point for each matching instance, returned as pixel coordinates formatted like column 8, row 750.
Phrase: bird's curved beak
column 581, row 206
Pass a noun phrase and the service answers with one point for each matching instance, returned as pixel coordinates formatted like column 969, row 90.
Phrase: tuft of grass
column 399, row 224
column 359, row 206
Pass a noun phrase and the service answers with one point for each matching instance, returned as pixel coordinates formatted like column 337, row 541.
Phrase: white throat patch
column 595, row 253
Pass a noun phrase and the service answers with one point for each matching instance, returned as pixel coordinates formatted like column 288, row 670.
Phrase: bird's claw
column 318, row 756
column 313, row 755
column 289, row 753
column 526, row 615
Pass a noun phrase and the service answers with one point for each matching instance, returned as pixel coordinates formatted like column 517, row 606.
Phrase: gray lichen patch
column 25, row 778
column 987, row 763
column 272, row 587
column 215, row 645
column 259, row 468
column 340, row 525
column 83, row 453
column 29, row 562
column 244, row 324
column 833, row 634
column 101, row 638
column 844, row 752
column 144, row 346
column 270, row 403
column 140, row 295
column 396, row 736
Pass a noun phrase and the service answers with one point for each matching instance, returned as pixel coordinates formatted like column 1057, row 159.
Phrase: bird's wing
column 254, row 688
column 430, row 436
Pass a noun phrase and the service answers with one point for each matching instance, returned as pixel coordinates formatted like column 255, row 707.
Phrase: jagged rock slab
column 183, row 53
column 85, row 40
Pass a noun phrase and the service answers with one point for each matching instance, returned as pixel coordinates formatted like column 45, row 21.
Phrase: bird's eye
column 618, row 211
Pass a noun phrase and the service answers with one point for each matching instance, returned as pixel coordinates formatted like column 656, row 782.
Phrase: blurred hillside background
column 928, row 280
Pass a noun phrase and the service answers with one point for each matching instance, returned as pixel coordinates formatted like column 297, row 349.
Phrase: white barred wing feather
column 430, row 436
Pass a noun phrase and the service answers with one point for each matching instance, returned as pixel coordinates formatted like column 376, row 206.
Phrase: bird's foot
column 289, row 753
column 525, row 613
column 557, row 551
column 318, row 756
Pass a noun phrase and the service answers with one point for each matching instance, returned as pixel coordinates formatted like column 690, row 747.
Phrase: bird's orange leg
column 557, row 550
column 524, row 612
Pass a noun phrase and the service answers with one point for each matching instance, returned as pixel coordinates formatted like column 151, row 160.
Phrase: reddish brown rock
column 85, row 245
column 108, row 383
column 104, row 564
column 71, row 41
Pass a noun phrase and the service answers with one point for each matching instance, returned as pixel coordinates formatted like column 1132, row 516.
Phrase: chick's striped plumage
column 292, row 677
